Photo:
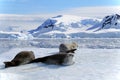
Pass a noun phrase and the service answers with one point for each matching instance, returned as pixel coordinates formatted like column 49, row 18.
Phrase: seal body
column 56, row 59
column 21, row 58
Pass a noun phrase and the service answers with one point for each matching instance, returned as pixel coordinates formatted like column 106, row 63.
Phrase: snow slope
column 109, row 22
column 68, row 26
column 62, row 26
column 90, row 64
column 15, row 35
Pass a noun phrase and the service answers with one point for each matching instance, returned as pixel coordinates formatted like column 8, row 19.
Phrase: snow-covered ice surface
column 95, row 59
column 90, row 64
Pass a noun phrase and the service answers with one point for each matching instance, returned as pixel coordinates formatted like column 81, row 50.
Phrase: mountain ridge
column 70, row 26
column 64, row 24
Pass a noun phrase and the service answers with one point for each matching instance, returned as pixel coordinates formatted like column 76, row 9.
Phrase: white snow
column 64, row 25
column 69, row 26
column 15, row 35
column 64, row 19
column 90, row 64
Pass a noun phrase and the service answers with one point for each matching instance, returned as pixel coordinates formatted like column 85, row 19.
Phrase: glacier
column 69, row 26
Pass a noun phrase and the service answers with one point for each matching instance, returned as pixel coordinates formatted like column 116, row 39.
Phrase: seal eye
column 71, row 55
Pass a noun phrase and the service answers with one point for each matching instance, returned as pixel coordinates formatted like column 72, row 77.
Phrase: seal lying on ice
column 57, row 59
column 21, row 58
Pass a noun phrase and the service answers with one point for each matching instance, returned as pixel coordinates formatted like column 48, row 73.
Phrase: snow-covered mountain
column 109, row 22
column 62, row 26
column 68, row 26
column 112, row 21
